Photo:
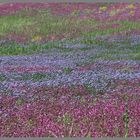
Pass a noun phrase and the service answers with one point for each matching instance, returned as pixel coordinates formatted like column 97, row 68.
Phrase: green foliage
column 2, row 77
column 13, row 48
column 68, row 70
column 125, row 25
column 38, row 76
column 44, row 24
column 20, row 101
column 34, row 77
column 91, row 90
column 126, row 121
column 67, row 119
column 13, row 23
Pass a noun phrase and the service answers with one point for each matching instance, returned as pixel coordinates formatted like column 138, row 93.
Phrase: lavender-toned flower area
column 70, row 69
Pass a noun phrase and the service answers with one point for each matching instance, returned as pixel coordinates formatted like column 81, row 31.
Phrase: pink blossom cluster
column 10, row 8
column 109, row 12
column 69, row 111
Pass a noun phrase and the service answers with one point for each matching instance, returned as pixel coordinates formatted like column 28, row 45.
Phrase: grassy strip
column 125, row 25
column 13, row 48
column 9, row 24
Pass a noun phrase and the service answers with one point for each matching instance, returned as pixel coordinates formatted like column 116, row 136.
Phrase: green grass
column 13, row 24
column 113, row 48
column 20, row 101
column 125, row 25
column 108, row 54
column 91, row 90
column 67, row 70
column 34, row 77
column 28, row 76
column 94, row 91
column 38, row 76
column 44, row 24
column 2, row 77
column 136, row 56
column 13, row 48
column 86, row 48
column 48, row 24
column 94, row 42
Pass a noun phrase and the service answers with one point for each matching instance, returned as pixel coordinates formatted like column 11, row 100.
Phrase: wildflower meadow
column 70, row 69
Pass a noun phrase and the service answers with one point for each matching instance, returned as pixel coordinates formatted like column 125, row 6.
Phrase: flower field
column 70, row 69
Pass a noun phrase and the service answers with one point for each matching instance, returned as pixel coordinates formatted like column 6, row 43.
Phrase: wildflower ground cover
column 69, row 69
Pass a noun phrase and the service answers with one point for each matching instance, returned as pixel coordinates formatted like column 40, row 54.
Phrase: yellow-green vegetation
column 13, row 24
column 124, row 26
column 44, row 24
